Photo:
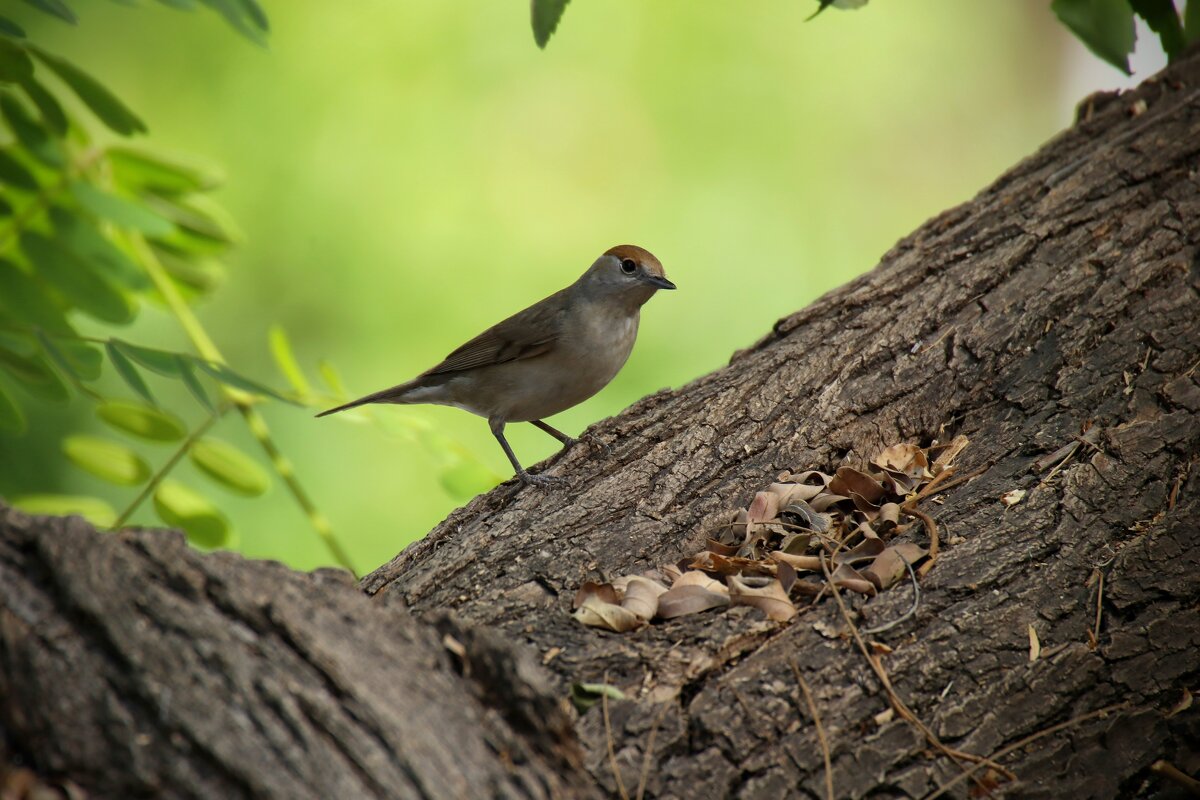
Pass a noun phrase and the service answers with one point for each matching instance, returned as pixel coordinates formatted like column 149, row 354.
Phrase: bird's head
column 627, row 272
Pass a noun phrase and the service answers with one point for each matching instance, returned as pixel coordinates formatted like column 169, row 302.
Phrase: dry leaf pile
column 798, row 534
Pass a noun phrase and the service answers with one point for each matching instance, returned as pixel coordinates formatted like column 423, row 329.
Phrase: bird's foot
column 538, row 479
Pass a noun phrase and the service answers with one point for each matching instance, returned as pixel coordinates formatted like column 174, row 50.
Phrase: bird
column 550, row 357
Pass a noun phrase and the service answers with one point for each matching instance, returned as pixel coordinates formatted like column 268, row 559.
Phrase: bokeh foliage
column 93, row 232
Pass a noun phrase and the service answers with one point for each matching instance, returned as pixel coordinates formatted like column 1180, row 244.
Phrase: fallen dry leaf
column 847, row 577
column 689, row 599
column 1012, row 497
column 888, row 567
column 695, row 577
column 850, row 481
column 641, row 598
column 1035, row 646
column 596, row 613
column 601, row 591
column 810, row 563
column 771, row 599
column 792, row 526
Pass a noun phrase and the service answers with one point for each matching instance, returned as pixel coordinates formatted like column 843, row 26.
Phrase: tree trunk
column 1054, row 321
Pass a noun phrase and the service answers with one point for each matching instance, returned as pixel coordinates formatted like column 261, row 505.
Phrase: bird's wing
column 525, row 334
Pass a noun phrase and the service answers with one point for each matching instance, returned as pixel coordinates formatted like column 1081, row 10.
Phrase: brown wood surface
column 1063, row 299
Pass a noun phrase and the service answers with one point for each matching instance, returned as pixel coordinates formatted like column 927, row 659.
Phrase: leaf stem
column 167, row 466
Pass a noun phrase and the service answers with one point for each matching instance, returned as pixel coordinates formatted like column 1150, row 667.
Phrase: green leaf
column 107, row 460
column 75, row 278
column 182, row 507
column 1105, row 26
column 1191, row 21
column 55, row 8
column 183, row 5
column 188, row 376
column 14, row 173
column 196, row 274
column 244, row 16
column 15, row 64
column 140, row 171
column 116, row 209
column 229, row 467
column 80, row 236
column 333, row 379
column 128, row 372
column 586, row 695
column 10, row 28
column 189, row 216
column 164, row 362
column 144, row 422
column 545, row 17
column 93, row 509
column 35, row 375
column 78, row 359
column 53, row 116
column 468, row 478
column 111, row 111
column 230, row 378
column 1163, row 19
column 6, row 208
column 12, row 419
column 285, row 359
column 32, row 136
column 25, row 299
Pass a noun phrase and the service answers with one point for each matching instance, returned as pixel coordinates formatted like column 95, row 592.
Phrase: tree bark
column 1054, row 320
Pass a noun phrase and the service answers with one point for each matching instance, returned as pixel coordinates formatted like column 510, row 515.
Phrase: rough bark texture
column 1065, row 297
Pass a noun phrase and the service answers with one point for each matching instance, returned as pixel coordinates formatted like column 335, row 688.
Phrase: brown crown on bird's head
column 639, row 255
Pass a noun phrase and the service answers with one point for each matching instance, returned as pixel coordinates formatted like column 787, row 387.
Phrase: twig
column 934, row 343
column 887, row 626
column 612, row 756
column 1173, row 773
column 943, row 487
column 824, row 741
column 167, row 466
column 644, row 778
column 1017, row 745
column 1099, row 605
column 903, row 710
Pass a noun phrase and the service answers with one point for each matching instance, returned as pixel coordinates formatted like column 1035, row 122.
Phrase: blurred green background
column 405, row 174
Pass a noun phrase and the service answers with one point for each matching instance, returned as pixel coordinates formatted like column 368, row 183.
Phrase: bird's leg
column 587, row 438
column 555, row 432
column 497, row 427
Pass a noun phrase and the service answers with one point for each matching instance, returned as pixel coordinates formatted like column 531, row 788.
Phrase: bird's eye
column 629, row 266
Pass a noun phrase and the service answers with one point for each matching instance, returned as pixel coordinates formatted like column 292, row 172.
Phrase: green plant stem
column 167, row 466
column 241, row 400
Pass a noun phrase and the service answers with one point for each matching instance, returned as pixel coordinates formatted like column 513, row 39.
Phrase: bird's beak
column 660, row 282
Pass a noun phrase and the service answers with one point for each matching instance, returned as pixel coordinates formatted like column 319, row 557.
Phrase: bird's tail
column 393, row 395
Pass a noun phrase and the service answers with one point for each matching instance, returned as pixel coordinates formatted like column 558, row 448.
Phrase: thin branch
column 644, row 778
column 897, row 704
column 1017, row 745
column 821, row 737
column 167, row 466
column 612, row 757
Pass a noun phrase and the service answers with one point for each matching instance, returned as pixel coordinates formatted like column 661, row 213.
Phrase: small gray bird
column 545, row 359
